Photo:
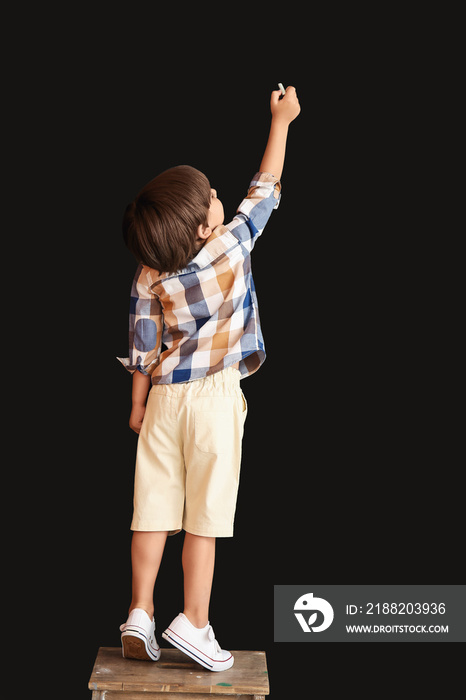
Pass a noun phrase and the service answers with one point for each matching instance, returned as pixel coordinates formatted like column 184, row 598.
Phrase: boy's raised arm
column 283, row 113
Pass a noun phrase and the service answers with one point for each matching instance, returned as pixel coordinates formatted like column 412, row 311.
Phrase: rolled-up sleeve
column 145, row 325
column 255, row 210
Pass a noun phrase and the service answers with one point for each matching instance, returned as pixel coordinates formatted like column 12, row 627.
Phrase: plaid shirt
column 193, row 323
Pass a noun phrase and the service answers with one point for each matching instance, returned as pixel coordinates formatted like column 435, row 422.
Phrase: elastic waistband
column 226, row 379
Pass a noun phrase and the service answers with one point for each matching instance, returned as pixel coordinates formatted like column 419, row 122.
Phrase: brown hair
column 160, row 225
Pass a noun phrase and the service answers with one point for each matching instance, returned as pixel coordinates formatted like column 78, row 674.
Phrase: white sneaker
column 138, row 637
column 199, row 644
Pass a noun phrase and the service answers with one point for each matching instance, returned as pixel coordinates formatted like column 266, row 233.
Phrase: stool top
column 177, row 673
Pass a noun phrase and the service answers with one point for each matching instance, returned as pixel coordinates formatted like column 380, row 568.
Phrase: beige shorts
column 189, row 456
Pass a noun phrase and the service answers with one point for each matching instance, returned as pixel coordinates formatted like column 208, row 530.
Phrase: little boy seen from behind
column 194, row 333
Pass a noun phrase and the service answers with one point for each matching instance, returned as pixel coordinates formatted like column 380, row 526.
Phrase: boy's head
column 171, row 218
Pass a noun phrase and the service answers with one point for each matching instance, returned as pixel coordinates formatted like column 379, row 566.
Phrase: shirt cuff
column 125, row 361
column 269, row 180
column 127, row 365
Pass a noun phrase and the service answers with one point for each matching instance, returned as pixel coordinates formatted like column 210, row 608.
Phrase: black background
column 348, row 472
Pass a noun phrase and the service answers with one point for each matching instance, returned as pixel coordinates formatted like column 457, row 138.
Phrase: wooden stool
column 176, row 677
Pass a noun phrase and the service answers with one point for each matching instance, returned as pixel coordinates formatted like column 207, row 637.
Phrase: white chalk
column 280, row 85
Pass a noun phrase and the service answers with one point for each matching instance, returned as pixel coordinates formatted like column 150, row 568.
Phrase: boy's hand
column 136, row 418
column 283, row 113
column 286, row 109
column 141, row 385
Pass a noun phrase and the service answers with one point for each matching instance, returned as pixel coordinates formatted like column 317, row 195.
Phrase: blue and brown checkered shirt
column 193, row 323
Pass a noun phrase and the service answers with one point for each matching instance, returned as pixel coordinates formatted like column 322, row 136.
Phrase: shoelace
column 212, row 639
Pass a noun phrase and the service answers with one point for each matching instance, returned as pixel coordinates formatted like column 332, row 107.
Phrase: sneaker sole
column 196, row 654
column 134, row 647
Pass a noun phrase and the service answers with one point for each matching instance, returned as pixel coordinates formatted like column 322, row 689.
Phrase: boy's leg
column 198, row 567
column 190, row 631
column 146, row 556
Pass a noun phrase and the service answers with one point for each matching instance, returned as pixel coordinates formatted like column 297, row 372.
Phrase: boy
column 194, row 333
